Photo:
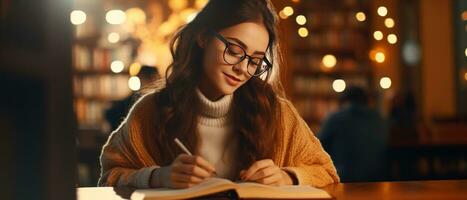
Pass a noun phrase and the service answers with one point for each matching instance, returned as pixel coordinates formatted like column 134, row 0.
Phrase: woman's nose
column 241, row 67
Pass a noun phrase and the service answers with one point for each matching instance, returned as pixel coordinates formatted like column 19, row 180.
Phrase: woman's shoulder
column 287, row 108
column 144, row 107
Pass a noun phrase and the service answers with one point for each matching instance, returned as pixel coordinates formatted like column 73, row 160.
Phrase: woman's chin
column 227, row 90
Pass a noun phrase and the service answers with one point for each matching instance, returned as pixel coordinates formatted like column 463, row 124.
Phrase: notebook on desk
column 243, row 190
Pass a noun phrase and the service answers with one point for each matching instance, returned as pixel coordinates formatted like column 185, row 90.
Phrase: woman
column 223, row 100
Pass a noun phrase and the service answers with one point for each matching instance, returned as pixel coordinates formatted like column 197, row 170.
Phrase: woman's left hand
column 266, row 172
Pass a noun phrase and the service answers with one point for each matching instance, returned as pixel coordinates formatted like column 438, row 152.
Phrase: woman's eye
column 256, row 62
column 233, row 52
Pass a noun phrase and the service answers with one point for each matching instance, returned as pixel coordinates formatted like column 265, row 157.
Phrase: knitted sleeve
column 124, row 159
column 306, row 158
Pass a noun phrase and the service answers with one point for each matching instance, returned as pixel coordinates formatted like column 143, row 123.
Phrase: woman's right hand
column 186, row 171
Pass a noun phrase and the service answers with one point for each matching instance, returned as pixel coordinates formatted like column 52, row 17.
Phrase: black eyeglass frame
column 227, row 44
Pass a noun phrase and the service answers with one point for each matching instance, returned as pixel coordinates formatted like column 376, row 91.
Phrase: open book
column 243, row 190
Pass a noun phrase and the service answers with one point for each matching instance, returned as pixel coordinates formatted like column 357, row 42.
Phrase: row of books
column 107, row 87
column 307, row 85
column 315, row 110
column 336, row 19
column 341, row 3
column 313, row 62
column 99, row 59
column 333, row 39
column 89, row 112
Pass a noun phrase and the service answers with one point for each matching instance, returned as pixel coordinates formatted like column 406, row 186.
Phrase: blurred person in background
column 356, row 138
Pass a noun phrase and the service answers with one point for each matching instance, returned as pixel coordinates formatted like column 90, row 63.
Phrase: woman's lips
column 231, row 80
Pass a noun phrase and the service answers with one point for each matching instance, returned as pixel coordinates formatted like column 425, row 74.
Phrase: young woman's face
column 220, row 78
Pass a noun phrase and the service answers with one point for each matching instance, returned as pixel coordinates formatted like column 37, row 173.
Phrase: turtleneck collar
column 214, row 113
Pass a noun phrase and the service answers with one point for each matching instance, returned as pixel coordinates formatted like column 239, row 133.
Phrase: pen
column 180, row 144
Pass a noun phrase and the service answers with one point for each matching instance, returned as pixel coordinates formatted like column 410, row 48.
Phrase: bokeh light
column 136, row 16
column 288, row 11
column 303, row 32
column 389, row 22
column 382, row 11
column 385, row 82
column 301, row 20
column 117, row 66
column 77, row 17
column 378, row 35
column 380, row 57
column 113, row 37
column 115, row 17
column 360, row 16
column 134, row 69
column 134, row 83
column 338, row 85
column 329, row 61
column 392, row 39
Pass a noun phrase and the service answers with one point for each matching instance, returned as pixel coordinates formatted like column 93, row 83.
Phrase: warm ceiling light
column 338, row 85
column 380, row 57
column 385, row 82
column 117, row 66
column 301, row 20
column 134, row 83
column 392, row 39
column 77, row 17
column 382, row 11
column 115, row 17
column 113, row 37
column 303, row 32
column 378, row 35
column 288, row 11
column 389, row 22
column 360, row 16
column 329, row 61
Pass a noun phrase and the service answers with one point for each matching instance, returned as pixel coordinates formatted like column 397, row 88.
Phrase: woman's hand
column 184, row 172
column 187, row 171
column 266, row 172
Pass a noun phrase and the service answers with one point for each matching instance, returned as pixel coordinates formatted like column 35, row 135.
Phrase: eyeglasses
column 234, row 54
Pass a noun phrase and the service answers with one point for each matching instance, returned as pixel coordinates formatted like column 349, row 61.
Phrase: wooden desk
column 413, row 190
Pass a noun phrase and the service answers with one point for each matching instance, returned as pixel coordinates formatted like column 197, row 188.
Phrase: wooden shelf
column 99, row 72
column 97, row 98
column 313, row 29
column 332, row 6
column 302, row 71
column 90, row 41
column 344, row 51
column 315, row 96
column 94, row 127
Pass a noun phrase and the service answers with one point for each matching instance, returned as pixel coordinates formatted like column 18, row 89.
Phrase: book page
column 256, row 190
column 209, row 186
column 97, row 193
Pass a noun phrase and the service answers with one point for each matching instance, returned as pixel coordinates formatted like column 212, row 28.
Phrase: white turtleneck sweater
column 214, row 129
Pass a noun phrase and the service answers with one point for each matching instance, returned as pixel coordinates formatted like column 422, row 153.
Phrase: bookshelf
column 95, row 85
column 334, row 46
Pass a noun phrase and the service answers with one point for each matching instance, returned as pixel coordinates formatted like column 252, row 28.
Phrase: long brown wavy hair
column 254, row 113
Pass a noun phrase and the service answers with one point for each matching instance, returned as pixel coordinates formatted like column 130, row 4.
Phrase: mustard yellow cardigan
column 126, row 162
